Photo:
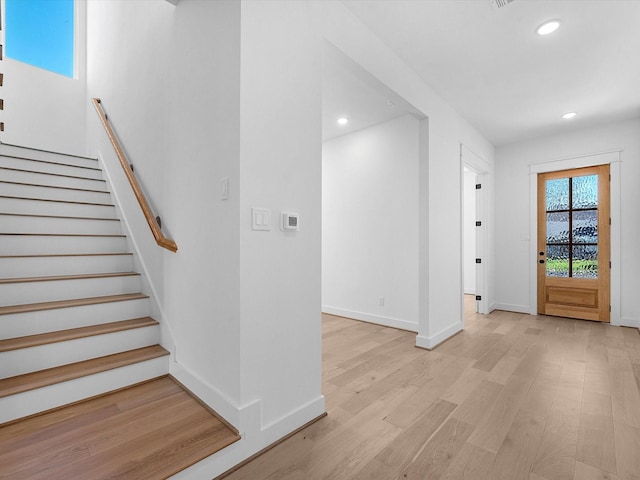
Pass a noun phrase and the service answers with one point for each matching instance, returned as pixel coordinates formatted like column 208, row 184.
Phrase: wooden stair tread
column 116, row 235
column 49, row 255
column 74, row 333
column 66, row 217
column 52, row 174
column 78, row 302
column 151, row 430
column 53, row 186
column 31, row 149
column 86, row 276
column 72, row 371
column 53, row 163
column 58, row 201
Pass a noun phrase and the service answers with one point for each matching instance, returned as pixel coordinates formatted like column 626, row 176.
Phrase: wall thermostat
column 289, row 221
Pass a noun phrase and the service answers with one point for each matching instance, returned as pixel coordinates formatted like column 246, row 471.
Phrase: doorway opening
column 475, row 221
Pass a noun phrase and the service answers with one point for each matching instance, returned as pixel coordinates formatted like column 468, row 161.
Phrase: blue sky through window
column 40, row 33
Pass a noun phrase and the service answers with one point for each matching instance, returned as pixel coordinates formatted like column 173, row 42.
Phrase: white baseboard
column 434, row 340
column 469, row 292
column 630, row 322
column 512, row 308
column 215, row 399
column 368, row 317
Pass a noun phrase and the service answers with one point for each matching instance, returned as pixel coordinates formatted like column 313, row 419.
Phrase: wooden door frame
column 612, row 158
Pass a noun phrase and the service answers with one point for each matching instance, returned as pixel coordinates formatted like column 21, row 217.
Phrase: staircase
column 73, row 321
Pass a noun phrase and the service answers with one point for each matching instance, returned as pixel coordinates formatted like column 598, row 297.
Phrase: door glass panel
column 572, row 226
column 585, row 191
column 558, row 194
column 558, row 227
column 585, row 261
column 557, row 260
column 585, row 226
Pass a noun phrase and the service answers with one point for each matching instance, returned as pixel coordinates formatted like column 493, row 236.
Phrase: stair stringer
column 112, row 170
column 208, row 393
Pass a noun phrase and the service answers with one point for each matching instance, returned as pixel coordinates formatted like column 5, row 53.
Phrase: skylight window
column 41, row 33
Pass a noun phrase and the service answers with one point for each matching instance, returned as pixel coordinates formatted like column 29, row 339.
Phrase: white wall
column 173, row 99
column 469, row 232
column 440, row 180
column 512, row 208
column 43, row 109
column 370, row 224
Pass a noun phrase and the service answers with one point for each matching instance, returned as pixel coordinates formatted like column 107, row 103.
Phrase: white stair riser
column 42, row 207
column 47, row 156
column 47, row 245
column 35, row 224
column 54, row 193
column 15, row 267
column 45, row 167
column 55, row 180
column 27, row 360
column 33, row 323
column 42, row 399
column 38, row 292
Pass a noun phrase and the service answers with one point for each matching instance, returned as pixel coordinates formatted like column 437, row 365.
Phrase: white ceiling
column 490, row 65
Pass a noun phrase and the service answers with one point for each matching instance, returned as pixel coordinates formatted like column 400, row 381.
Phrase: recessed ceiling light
column 548, row 27
column 343, row 121
column 569, row 115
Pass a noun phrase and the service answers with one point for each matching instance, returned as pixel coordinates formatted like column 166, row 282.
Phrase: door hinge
column 609, row 264
column 478, row 224
column 478, row 260
column 609, row 220
column 478, row 297
column 478, row 186
column 609, row 308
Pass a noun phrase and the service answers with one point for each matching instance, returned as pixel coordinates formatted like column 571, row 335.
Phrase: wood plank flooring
column 511, row 397
column 150, row 431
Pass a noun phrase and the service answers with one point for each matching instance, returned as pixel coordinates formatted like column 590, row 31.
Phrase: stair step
column 51, row 376
column 34, row 307
column 35, row 154
column 68, row 315
column 72, row 264
column 12, row 244
column 49, row 192
column 74, row 333
column 18, row 291
column 31, row 223
column 44, row 166
column 46, row 206
column 52, row 179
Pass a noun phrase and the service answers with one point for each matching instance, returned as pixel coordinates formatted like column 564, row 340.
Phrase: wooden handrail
column 161, row 240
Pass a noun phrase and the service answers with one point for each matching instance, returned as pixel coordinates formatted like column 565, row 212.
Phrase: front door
column 574, row 243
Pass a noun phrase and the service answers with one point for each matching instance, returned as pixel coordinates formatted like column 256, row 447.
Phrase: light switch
column 260, row 219
column 224, row 188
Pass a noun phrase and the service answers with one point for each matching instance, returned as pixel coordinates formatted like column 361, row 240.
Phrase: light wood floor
column 512, row 397
column 150, row 431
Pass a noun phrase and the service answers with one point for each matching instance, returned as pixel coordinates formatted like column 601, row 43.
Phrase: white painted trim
column 507, row 307
column 469, row 292
column 206, row 392
column 368, row 317
column 613, row 158
column 167, row 331
column 630, row 322
column 482, row 169
column 434, row 340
